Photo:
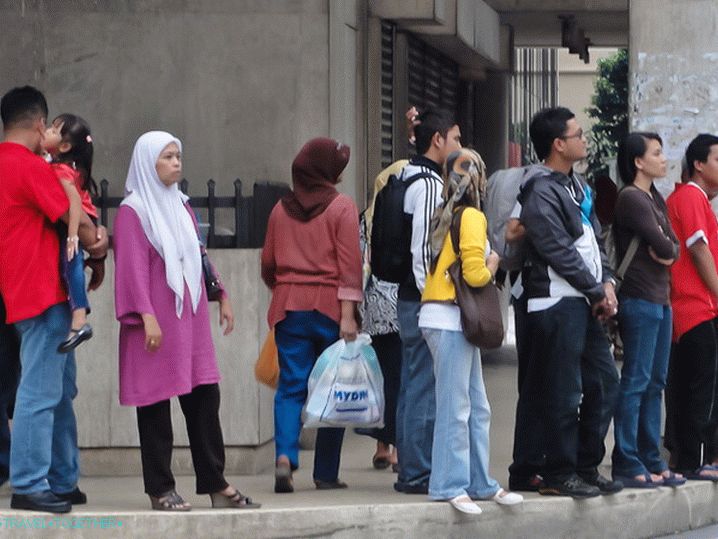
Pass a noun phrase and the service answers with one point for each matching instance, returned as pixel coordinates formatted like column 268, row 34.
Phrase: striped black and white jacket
column 421, row 199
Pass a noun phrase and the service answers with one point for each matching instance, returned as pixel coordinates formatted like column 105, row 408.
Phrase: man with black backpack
column 400, row 253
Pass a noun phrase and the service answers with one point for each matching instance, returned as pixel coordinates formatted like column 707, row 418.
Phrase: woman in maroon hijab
column 312, row 263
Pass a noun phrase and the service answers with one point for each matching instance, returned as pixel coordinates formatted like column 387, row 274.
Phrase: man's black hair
column 546, row 126
column 698, row 150
column 432, row 121
column 22, row 104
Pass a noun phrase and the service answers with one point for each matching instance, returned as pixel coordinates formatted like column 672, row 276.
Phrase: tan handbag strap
column 628, row 258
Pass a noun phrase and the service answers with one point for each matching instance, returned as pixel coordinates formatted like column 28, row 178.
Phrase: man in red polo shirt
column 44, row 458
column 693, row 373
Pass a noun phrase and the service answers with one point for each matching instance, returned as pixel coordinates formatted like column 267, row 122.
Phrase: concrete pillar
column 673, row 74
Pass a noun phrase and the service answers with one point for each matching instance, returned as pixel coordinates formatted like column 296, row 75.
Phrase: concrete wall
column 674, row 74
column 246, row 407
column 243, row 83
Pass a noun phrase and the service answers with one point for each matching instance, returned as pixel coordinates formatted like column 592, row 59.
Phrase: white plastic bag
column 346, row 387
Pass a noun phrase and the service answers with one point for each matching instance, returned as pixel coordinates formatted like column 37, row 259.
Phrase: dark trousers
column 9, row 377
column 388, row 351
column 693, row 377
column 528, row 455
column 572, row 380
column 201, row 412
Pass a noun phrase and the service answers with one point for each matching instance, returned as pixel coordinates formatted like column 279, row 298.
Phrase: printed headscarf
column 315, row 171
column 164, row 217
column 464, row 185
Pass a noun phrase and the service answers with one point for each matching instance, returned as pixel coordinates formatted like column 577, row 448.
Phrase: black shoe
column 605, row 485
column 329, row 485
column 76, row 497
column 77, row 336
column 522, row 484
column 573, row 486
column 412, row 488
column 41, row 501
column 283, row 480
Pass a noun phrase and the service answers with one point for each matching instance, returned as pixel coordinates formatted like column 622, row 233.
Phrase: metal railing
column 251, row 213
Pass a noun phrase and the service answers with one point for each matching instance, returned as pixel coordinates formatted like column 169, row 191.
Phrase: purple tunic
column 186, row 357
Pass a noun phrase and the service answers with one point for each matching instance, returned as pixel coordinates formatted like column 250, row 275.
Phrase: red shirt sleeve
column 689, row 216
column 269, row 264
column 46, row 192
column 349, row 254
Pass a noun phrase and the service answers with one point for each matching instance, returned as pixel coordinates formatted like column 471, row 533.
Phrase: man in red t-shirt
column 44, row 456
column 692, row 409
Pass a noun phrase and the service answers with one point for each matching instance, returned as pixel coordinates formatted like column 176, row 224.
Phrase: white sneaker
column 465, row 504
column 503, row 497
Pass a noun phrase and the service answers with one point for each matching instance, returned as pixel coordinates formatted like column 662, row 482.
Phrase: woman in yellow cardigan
column 460, row 453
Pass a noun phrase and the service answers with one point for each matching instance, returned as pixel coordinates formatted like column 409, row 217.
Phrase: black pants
column 201, row 412
column 9, row 378
column 528, row 455
column 693, row 406
column 388, row 351
column 572, row 379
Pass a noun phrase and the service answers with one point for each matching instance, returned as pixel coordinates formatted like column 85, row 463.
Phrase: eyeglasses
column 578, row 134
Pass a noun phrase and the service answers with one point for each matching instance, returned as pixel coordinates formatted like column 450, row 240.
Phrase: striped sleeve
column 425, row 196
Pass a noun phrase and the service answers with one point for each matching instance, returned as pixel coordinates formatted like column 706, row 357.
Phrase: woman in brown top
column 644, row 314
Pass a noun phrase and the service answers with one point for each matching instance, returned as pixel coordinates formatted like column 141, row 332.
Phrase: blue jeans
column 416, row 406
column 573, row 381
column 44, row 454
column 73, row 273
column 460, row 451
column 646, row 333
column 9, row 374
column 301, row 338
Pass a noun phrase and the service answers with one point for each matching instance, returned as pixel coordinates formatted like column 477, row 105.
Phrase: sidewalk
column 371, row 508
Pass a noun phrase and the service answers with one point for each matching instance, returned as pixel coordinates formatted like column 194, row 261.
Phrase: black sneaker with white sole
column 573, row 486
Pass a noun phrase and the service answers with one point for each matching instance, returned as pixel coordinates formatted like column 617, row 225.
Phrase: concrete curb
column 631, row 514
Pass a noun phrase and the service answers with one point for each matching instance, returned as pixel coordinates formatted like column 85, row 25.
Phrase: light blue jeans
column 460, row 452
column 43, row 453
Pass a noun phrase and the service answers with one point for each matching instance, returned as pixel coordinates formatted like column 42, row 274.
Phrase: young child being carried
column 69, row 143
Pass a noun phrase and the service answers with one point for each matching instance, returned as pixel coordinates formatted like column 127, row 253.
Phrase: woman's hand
column 492, row 262
column 226, row 315
column 153, row 333
column 655, row 257
column 348, row 327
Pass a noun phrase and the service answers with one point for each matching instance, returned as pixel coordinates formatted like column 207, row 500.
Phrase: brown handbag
column 481, row 319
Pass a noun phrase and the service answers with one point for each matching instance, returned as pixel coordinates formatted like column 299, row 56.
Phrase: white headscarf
column 164, row 217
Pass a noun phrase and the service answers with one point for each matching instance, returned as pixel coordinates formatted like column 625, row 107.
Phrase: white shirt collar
column 694, row 184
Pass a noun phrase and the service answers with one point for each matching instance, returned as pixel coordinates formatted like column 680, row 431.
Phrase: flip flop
column 380, row 463
column 672, row 480
column 632, row 482
column 696, row 475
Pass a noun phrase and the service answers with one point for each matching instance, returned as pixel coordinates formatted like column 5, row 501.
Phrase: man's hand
column 608, row 306
column 98, row 272
column 99, row 248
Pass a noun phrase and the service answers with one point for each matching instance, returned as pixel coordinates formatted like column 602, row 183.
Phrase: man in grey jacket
column 569, row 289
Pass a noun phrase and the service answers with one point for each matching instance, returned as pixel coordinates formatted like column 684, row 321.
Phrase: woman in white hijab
column 166, row 345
